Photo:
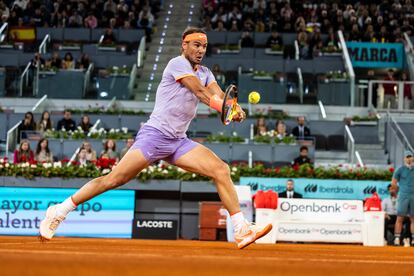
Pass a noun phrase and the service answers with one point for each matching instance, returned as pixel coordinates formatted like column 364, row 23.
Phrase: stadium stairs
column 166, row 41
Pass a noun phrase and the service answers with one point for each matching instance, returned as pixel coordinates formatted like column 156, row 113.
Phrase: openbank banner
column 108, row 215
column 320, row 188
column 376, row 55
column 316, row 210
column 295, row 231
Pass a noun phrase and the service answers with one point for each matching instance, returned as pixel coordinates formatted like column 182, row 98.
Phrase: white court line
column 215, row 257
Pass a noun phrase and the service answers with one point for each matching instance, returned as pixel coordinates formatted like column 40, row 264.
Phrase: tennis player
column 183, row 85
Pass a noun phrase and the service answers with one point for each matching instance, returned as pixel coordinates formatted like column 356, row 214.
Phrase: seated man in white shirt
column 389, row 206
column 290, row 193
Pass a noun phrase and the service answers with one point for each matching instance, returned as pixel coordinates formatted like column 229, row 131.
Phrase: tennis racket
column 229, row 109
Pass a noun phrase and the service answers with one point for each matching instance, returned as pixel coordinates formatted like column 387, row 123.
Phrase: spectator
column 390, row 90
column 220, row 27
column 75, row 20
column 280, row 129
column 85, row 123
column 304, row 49
column 407, row 91
column 109, row 37
column 389, row 206
column 23, row 154
column 246, row 40
column 90, row 21
column 84, row 61
column 44, row 123
column 109, row 150
column 302, row 158
column 37, row 61
column 66, row 123
column 404, row 177
column 260, row 128
column 274, row 40
column 290, row 193
column 129, row 143
column 301, row 131
column 68, row 63
column 27, row 124
column 146, row 20
column 219, row 76
column 90, row 152
column 82, row 157
column 55, row 61
column 43, row 153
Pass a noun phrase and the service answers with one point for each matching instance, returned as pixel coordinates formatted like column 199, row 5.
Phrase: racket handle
column 216, row 103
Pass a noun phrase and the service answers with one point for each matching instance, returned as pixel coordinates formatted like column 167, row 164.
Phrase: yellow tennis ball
column 254, row 97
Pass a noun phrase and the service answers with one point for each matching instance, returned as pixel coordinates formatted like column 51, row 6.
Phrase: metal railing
column 111, row 104
column 352, row 152
column 297, row 51
column 73, row 156
column 132, row 78
column 409, row 53
column 141, row 52
column 300, row 84
column 93, row 128
column 87, row 79
column 3, row 30
column 322, row 110
column 39, row 105
column 11, row 139
column 397, row 103
column 348, row 66
column 24, row 78
column 395, row 141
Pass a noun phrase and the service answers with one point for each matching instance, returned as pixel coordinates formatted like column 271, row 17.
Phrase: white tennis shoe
column 50, row 223
column 249, row 233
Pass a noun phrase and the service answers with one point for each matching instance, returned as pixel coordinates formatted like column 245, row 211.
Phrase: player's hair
column 192, row 30
column 303, row 148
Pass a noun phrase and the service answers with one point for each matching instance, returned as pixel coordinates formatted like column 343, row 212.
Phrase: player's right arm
column 200, row 91
column 395, row 178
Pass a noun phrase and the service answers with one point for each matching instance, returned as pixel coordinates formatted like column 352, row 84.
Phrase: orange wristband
column 216, row 103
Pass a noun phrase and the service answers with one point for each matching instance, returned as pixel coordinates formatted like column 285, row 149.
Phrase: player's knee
column 221, row 171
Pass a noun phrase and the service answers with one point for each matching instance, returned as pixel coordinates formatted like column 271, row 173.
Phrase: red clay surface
column 81, row 256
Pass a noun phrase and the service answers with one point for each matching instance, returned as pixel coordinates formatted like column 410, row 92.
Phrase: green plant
column 277, row 48
column 61, row 169
column 116, row 134
column 337, row 75
column 221, row 138
column 364, row 119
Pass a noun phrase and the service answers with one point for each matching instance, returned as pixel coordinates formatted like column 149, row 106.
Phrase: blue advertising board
column 376, row 55
column 107, row 215
column 321, row 188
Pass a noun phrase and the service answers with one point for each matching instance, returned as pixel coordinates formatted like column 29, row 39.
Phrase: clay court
column 64, row 256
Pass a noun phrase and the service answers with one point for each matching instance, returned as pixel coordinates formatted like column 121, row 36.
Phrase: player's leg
column 129, row 166
column 203, row 161
column 402, row 211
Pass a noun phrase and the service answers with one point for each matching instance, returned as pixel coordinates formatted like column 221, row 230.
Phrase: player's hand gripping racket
column 229, row 109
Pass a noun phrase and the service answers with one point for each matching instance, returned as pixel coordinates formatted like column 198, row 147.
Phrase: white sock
column 237, row 220
column 65, row 207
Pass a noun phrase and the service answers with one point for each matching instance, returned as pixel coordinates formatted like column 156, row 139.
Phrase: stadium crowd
column 76, row 14
column 367, row 21
column 42, row 154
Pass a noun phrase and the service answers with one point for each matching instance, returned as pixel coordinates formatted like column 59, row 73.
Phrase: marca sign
column 320, row 210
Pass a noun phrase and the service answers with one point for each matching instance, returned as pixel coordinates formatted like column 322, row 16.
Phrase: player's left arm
column 215, row 89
